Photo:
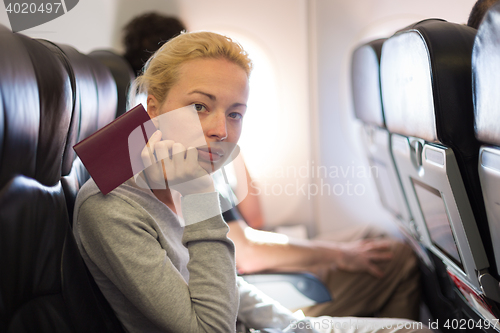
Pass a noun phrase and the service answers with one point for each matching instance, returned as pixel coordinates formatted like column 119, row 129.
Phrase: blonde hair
column 161, row 71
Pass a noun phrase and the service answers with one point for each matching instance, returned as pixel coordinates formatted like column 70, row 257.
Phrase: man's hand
column 365, row 255
column 359, row 256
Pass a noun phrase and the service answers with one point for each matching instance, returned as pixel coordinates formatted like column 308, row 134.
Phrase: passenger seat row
column 428, row 100
column 51, row 97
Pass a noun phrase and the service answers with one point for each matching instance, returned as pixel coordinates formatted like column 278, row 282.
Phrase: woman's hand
column 171, row 164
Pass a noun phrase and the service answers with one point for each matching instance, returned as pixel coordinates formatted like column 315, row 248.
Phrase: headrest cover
column 86, row 108
column 56, row 102
column 365, row 79
column 425, row 75
column 106, row 92
column 122, row 73
column 486, row 78
column 20, row 116
column 407, row 86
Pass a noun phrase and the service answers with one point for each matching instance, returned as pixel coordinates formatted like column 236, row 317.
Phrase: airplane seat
column 96, row 98
column 122, row 73
column 425, row 78
column 368, row 108
column 486, row 85
column 44, row 285
column 25, row 288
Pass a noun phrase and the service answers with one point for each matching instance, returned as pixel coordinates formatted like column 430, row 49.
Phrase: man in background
column 147, row 33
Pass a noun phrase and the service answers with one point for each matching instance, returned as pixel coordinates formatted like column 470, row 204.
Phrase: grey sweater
column 157, row 275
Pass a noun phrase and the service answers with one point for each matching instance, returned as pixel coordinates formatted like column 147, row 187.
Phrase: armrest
column 292, row 290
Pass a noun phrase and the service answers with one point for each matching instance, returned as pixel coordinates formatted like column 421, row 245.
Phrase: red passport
column 109, row 154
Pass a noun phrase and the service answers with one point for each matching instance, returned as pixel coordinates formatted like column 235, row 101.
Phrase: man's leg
column 396, row 295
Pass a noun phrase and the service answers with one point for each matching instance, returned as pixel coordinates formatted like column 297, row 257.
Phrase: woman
column 158, row 275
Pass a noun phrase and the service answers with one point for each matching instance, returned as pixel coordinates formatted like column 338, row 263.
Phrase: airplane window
column 261, row 122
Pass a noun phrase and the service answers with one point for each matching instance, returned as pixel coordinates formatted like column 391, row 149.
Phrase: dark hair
column 147, row 33
column 478, row 11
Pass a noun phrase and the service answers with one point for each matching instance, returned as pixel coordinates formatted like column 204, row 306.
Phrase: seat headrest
column 107, row 93
column 365, row 83
column 122, row 73
column 19, row 124
column 95, row 100
column 72, row 132
column 426, row 82
column 56, row 104
column 486, row 79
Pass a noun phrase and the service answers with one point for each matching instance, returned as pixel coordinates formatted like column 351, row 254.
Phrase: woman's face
column 218, row 89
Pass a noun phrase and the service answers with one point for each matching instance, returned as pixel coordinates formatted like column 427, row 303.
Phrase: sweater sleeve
column 124, row 247
column 259, row 311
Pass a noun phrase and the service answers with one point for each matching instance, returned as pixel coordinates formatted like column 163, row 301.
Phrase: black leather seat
column 44, row 286
column 122, row 73
column 95, row 106
column 426, row 79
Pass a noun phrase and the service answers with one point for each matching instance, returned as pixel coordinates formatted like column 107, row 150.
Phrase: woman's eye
column 199, row 107
column 235, row 115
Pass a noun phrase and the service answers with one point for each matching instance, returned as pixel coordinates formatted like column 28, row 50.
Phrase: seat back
column 426, row 77
column 122, row 73
column 95, row 106
column 368, row 108
column 486, row 87
column 44, row 285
